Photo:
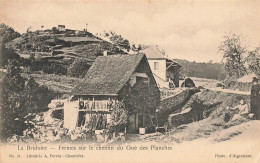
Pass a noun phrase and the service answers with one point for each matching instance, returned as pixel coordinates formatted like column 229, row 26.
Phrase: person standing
column 255, row 98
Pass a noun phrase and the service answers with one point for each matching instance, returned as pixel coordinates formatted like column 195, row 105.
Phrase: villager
column 171, row 83
column 99, row 122
column 242, row 107
column 86, row 105
column 243, row 110
column 255, row 99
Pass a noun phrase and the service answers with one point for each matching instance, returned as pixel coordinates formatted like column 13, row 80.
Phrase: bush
column 19, row 96
column 119, row 117
column 78, row 68
column 6, row 54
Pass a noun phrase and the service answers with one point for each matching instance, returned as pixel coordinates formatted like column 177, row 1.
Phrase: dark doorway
column 81, row 119
column 140, row 121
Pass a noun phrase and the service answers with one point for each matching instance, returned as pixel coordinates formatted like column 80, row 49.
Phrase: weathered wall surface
column 173, row 104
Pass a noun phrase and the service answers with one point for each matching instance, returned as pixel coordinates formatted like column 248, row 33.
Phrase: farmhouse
column 61, row 27
column 165, row 71
column 114, row 78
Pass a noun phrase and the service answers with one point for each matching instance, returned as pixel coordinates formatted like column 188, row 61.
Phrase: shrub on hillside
column 6, row 54
column 78, row 68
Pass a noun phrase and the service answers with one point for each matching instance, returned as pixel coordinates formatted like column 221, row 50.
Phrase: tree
column 253, row 61
column 234, row 51
column 11, row 107
column 7, row 33
column 6, row 54
column 19, row 96
column 119, row 41
column 55, row 30
column 78, row 68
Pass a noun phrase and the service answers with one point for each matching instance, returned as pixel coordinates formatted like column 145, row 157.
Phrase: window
column 146, row 81
column 156, row 65
column 142, row 80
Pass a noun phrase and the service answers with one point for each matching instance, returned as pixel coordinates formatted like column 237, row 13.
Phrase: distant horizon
column 184, row 30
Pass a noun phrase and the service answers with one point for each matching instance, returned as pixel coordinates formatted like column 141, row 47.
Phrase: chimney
column 105, row 53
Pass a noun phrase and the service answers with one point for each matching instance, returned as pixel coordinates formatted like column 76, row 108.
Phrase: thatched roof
column 108, row 75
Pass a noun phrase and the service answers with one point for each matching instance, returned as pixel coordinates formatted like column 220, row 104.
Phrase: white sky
column 186, row 30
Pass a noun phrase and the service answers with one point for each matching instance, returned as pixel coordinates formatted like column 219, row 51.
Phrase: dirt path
column 229, row 91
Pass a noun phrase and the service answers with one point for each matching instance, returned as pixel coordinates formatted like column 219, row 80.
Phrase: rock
column 100, row 138
column 251, row 115
column 47, row 117
column 50, row 135
column 38, row 118
column 56, row 104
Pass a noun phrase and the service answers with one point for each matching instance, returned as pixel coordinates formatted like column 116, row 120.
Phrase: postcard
column 129, row 81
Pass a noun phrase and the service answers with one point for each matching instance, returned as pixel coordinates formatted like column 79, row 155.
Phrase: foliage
column 78, row 68
column 53, row 68
column 6, row 54
column 35, row 93
column 136, row 49
column 252, row 60
column 7, row 33
column 46, row 66
column 119, row 41
column 19, row 97
column 37, row 43
column 234, row 51
column 202, row 70
column 141, row 98
column 12, row 85
column 55, row 30
column 119, row 116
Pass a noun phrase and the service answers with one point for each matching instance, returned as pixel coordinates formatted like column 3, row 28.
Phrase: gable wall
column 161, row 72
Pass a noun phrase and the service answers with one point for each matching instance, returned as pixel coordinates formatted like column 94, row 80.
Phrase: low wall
column 174, row 103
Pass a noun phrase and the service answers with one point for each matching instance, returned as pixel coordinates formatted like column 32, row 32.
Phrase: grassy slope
column 58, row 83
column 213, row 124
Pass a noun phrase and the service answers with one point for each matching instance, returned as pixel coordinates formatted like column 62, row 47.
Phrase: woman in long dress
column 255, row 98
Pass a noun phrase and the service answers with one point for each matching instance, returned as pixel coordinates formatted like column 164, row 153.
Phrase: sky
column 190, row 30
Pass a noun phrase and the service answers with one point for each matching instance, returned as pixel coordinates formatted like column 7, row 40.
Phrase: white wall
column 161, row 72
column 70, row 114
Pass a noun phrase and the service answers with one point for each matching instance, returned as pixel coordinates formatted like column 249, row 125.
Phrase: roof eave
column 157, row 58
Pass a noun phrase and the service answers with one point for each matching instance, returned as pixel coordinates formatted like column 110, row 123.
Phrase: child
column 243, row 110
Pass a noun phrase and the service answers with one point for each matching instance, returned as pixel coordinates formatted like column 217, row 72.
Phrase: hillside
column 202, row 70
column 54, row 50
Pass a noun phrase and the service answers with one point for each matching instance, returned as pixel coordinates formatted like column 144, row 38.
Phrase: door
column 140, row 121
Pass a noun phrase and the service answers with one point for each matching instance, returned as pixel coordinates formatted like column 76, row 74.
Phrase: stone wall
column 173, row 104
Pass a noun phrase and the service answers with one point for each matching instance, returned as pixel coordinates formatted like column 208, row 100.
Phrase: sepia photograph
column 129, row 81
